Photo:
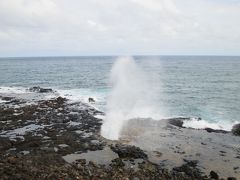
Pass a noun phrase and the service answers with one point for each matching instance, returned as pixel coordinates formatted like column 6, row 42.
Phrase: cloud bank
column 119, row 27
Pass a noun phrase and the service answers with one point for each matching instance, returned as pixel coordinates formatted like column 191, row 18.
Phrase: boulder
column 60, row 100
column 231, row 178
column 91, row 100
column 236, row 129
column 127, row 151
column 189, row 168
column 179, row 121
column 214, row 175
column 176, row 122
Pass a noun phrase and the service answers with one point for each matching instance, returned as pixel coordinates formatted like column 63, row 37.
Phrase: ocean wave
column 24, row 93
column 202, row 124
column 14, row 90
column 100, row 97
column 2, row 101
column 74, row 95
column 83, row 95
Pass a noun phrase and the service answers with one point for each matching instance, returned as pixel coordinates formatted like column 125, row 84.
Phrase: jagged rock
column 61, row 100
column 118, row 162
column 34, row 89
column 91, row 100
column 214, row 175
column 40, row 90
column 210, row 130
column 231, row 178
column 176, row 122
column 61, row 123
column 7, row 98
column 189, row 168
column 127, row 151
column 236, row 129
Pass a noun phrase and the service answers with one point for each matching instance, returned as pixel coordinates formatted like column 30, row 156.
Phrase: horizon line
column 53, row 56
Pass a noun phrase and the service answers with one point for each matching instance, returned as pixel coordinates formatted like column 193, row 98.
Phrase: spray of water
column 132, row 96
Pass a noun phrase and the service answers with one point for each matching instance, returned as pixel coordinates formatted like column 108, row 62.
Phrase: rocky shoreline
column 59, row 139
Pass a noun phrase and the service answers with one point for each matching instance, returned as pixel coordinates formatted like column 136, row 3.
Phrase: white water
column 12, row 90
column 202, row 124
column 132, row 96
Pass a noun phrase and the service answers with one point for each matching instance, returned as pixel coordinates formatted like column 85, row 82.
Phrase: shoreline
column 56, row 138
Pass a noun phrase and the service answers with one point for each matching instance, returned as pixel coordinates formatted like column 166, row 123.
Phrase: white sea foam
column 24, row 93
column 202, row 124
column 99, row 116
column 132, row 96
column 12, row 90
column 76, row 95
column 2, row 101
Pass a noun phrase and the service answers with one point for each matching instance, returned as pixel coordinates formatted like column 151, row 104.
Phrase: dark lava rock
column 40, row 154
column 231, row 178
column 44, row 90
column 236, row 129
column 176, row 122
column 189, row 168
column 179, row 121
column 127, row 151
column 40, row 90
column 210, row 130
column 91, row 100
column 61, row 100
column 118, row 162
column 4, row 144
column 7, row 98
column 214, row 175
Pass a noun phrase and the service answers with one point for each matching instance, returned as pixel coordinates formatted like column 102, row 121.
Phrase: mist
column 133, row 96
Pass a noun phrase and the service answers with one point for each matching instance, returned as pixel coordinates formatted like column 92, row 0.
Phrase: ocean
column 206, row 87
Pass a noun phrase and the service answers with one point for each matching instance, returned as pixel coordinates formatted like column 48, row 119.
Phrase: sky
column 119, row 27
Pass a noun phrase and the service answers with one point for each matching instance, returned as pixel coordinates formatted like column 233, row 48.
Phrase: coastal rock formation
column 236, row 129
column 189, row 168
column 91, row 100
column 214, row 175
column 127, row 151
column 36, row 138
column 38, row 89
column 177, row 121
column 210, row 130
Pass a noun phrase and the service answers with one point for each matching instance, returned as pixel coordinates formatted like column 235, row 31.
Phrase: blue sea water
column 191, row 86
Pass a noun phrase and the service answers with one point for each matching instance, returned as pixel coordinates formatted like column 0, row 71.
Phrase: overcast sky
column 119, row 27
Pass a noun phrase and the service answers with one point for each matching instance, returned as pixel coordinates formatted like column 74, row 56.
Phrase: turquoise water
column 191, row 86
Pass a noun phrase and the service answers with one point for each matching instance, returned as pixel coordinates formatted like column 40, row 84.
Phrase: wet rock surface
column 36, row 138
column 127, row 151
column 236, row 130
column 171, row 146
column 214, row 175
column 210, row 130
column 189, row 168
column 38, row 89
column 177, row 121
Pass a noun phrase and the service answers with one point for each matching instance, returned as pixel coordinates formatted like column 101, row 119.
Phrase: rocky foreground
column 58, row 139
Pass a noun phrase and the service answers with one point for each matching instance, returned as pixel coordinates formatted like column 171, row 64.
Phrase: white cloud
column 78, row 27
